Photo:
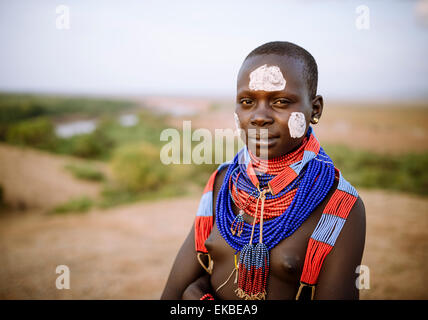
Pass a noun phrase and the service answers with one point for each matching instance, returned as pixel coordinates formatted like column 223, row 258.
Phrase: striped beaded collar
column 291, row 164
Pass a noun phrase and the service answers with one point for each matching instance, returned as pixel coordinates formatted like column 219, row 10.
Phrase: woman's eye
column 246, row 102
column 281, row 102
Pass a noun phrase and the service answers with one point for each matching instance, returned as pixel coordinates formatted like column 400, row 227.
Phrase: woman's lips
column 268, row 142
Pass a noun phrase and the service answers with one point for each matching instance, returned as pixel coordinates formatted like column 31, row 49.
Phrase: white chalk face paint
column 297, row 124
column 237, row 123
column 266, row 78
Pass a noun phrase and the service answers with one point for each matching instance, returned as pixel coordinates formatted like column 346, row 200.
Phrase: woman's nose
column 261, row 116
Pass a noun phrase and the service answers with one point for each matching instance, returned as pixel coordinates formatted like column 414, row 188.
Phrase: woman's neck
column 275, row 165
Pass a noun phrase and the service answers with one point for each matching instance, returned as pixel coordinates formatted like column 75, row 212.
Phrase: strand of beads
column 275, row 204
column 315, row 183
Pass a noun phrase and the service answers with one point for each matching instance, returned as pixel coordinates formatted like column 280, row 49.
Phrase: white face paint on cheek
column 266, row 78
column 297, row 124
column 237, row 124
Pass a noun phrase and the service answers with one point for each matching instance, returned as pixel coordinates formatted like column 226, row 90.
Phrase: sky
column 378, row 51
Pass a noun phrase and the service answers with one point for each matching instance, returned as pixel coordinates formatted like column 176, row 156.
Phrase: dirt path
column 123, row 253
column 396, row 248
column 35, row 179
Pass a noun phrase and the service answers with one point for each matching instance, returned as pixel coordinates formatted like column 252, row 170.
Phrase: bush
column 85, row 172
column 138, row 167
column 17, row 107
column 37, row 133
column 372, row 170
column 95, row 145
column 81, row 204
column 12, row 111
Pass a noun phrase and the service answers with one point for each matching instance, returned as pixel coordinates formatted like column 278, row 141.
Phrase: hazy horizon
column 194, row 48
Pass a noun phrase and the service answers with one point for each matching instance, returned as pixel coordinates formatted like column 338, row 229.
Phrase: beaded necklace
column 284, row 191
column 254, row 243
column 275, row 205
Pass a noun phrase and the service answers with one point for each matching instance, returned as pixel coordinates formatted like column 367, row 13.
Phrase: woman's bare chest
column 286, row 262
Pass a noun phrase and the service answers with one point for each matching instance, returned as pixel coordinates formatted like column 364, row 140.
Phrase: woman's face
column 273, row 106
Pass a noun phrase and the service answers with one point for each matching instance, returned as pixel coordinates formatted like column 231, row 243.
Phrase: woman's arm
column 198, row 288
column 337, row 277
column 185, row 270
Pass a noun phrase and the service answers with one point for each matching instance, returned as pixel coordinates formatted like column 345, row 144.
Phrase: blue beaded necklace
column 313, row 183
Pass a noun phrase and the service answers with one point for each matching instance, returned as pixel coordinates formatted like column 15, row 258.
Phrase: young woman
column 283, row 226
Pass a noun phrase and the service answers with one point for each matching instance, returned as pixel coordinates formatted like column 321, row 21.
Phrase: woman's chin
column 264, row 152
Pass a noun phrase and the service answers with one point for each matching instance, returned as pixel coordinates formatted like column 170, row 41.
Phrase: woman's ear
column 317, row 107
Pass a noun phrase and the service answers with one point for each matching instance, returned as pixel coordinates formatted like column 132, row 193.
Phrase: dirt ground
column 31, row 178
column 127, row 252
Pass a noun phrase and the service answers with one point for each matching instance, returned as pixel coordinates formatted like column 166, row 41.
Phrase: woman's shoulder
column 345, row 204
column 219, row 175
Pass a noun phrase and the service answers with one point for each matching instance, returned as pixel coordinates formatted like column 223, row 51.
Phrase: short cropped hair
column 284, row 48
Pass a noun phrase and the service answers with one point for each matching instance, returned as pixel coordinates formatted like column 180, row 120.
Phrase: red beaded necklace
column 272, row 207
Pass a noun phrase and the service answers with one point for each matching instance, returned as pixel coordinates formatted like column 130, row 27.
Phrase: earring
column 315, row 120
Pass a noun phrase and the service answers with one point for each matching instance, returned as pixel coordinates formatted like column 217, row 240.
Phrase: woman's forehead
column 271, row 66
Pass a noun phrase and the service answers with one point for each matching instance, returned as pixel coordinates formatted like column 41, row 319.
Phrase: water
column 67, row 130
column 128, row 120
